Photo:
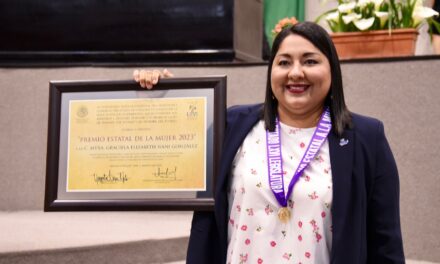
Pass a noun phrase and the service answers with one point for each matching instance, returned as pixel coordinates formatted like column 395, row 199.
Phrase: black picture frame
column 61, row 92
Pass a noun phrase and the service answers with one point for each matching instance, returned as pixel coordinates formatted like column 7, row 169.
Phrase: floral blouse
column 255, row 233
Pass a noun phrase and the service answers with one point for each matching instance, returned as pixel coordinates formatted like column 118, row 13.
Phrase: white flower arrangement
column 365, row 15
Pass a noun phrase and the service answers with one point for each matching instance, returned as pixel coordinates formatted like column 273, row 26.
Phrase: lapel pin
column 343, row 142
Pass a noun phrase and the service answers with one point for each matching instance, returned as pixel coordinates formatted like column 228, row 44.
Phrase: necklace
column 275, row 161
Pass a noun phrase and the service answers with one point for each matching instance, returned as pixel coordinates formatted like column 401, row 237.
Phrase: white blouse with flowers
column 255, row 233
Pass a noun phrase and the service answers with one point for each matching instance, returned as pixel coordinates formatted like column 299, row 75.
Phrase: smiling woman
column 301, row 179
column 300, row 81
column 321, row 64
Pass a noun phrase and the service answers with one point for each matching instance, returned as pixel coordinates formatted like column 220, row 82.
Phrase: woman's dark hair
column 314, row 33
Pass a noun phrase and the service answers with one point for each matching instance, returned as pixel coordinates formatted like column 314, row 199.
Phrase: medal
column 275, row 160
column 284, row 215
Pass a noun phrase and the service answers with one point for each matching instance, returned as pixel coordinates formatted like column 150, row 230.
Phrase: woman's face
column 300, row 78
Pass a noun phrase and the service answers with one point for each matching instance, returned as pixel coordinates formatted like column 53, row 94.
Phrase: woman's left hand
column 147, row 79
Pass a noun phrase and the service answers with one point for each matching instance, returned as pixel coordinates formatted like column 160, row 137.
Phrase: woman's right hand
column 147, row 79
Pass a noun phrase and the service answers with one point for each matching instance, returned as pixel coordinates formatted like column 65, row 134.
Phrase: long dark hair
column 314, row 33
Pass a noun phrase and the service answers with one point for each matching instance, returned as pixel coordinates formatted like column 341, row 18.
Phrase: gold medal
column 284, row 215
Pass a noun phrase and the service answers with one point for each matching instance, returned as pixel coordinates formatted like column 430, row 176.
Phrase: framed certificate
column 115, row 146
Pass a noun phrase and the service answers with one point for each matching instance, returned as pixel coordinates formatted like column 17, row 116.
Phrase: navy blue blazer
column 365, row 208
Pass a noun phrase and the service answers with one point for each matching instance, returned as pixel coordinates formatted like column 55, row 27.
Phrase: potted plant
column 377, row 28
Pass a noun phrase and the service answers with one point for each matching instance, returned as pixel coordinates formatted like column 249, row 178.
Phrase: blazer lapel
column 341, row 159
column 241, row 127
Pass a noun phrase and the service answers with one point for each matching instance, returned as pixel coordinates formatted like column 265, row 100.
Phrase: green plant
column 365, row 15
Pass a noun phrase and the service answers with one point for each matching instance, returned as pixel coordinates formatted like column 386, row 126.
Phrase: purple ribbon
column 275, row 157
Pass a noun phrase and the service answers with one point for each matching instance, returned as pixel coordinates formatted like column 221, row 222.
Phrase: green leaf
column 436, row 24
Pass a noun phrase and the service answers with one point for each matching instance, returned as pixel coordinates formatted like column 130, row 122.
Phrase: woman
column 301, row 180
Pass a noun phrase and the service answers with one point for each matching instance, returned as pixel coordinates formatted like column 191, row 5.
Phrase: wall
column 404, row 95
column 248, row 30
